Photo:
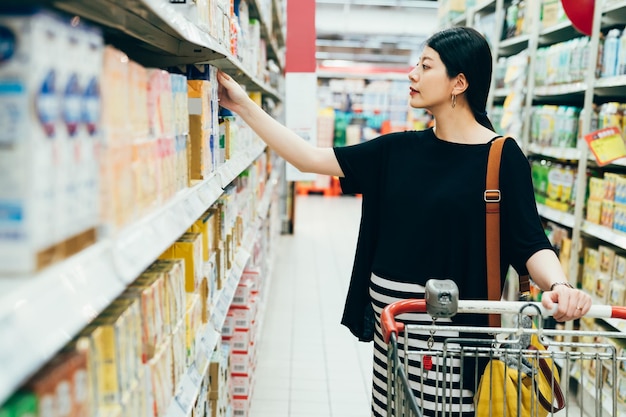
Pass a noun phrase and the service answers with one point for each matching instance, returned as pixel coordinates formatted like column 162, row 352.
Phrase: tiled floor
column 307, row 363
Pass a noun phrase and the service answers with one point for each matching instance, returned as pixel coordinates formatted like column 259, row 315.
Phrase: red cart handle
column 389, row 313
column 388, row 316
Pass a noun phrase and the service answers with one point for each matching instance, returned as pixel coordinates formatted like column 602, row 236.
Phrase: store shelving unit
column 160, row 34
column 189, row 387
column 39, row 314
column 583, row 94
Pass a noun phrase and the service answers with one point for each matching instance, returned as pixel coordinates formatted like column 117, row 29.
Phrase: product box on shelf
column 21, row 404
column 117, row 191
column 78, row 77
column 219, row 375
column 159, row 374
column 189, row 248
column 193, row 322
column 179, row 353
column 199, row 93
column 150, row 292
column 174, row 276
column 134, row 401
column 619, row 268
column 241, row 405
column 59, row 387
column 117, row 349
column 551, row 13
column 36, row 189
column 616, row 293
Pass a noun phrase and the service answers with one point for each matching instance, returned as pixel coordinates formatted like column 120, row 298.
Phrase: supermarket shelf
column 566, row 154
column 561, row 217
column 604, row 233
column 513, row 45
column 41, row 313
column 560, row 90
column 560, row 32
column 158, row 34
column 279, row 23
column 321, row 73
column 485, row 6
column 501, row 92
column 610, row 86
column 266, row 32
column 589, row 396
column 460, row 20
column 230, row 65
column 164, row 33
column 189, row 388
column 614, row 13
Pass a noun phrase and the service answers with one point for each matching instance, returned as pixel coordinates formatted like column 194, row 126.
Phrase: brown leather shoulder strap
column 492, row 203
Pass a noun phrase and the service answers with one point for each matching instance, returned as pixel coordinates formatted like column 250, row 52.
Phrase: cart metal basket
column 591, row 364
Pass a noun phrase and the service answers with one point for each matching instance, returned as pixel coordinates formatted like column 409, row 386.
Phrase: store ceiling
column 372, row 33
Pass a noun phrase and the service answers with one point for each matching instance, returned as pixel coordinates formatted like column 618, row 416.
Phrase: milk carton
column 29, row 140
column 91, row 69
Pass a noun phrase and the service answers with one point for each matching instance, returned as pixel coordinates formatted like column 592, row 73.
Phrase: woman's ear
column 459, row 84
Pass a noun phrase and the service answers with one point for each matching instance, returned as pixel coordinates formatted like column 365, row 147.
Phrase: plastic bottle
column 621, row 59
column 511, row 20
column 610, row 53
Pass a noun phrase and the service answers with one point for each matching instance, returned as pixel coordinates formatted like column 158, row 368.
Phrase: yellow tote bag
column 500, row 385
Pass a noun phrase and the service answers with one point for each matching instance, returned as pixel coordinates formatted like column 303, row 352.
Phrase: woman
column 423, row 209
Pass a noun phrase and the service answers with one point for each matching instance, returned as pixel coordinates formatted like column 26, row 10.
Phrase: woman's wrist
column 555, row 284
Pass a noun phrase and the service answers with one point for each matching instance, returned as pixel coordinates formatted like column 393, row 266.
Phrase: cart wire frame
column 594, row 364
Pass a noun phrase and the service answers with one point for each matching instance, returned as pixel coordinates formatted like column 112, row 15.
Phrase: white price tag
column 188, row 209
column 194, row 374
column 185, row 395
column 135, row 251
column 197, row 206
column 209, row 192
column 219, row 315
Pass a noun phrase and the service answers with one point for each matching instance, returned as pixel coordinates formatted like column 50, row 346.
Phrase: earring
column 453, row 101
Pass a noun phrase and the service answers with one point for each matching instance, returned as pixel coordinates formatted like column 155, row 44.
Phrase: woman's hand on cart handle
column 572, row 303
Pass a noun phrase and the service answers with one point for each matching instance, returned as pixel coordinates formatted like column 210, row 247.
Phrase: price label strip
column 606, row 144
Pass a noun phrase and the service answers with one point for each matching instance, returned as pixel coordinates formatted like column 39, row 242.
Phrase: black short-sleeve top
column 423, row 214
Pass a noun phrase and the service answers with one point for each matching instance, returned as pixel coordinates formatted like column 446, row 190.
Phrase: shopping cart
column 591, row 364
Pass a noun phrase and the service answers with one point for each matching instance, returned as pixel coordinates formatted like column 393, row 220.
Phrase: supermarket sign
column 606, row 144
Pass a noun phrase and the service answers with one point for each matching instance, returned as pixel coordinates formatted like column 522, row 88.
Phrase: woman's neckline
column 438, row 139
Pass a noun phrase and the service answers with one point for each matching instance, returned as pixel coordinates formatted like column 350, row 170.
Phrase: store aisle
column 308, row 364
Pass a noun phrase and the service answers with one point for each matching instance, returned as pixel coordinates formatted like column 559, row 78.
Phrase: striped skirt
column 428, row 386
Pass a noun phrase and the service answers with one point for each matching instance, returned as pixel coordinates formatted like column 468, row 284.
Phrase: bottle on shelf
column 610, row 53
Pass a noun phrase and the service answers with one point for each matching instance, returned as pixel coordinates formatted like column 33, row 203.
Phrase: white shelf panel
column 459, row 20
column 501, row 92
column 162, row 34
column 521, row 39
column 41, row 313
column 604, row 233
column 485, row 6
column 560, row 90
column 561, row 217
column 608, row 82
column 569, row 154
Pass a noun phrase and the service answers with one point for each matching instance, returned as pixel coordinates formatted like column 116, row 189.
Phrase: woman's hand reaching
column 230, row 93
column 573, row 303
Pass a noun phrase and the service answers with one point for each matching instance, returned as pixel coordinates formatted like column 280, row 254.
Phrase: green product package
column 21, row 404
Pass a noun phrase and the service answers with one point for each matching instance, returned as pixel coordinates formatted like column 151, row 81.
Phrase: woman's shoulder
column 405, row 135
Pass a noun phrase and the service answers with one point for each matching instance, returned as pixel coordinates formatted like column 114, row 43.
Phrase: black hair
column 465, row 50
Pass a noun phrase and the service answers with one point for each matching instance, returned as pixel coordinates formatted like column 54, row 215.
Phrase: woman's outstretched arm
column 291, row 147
